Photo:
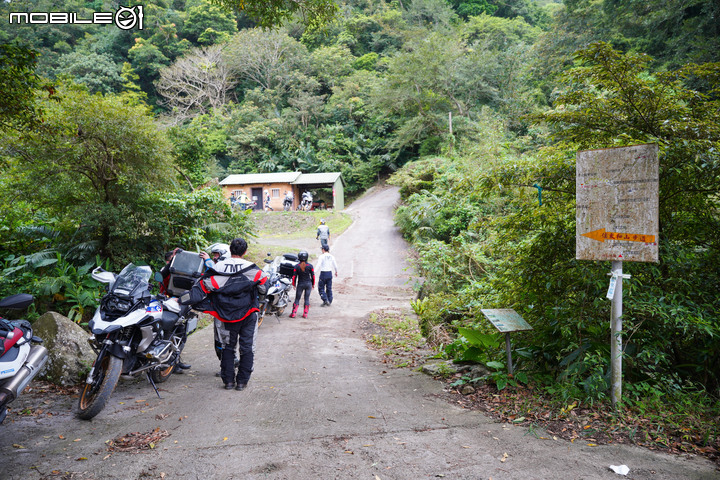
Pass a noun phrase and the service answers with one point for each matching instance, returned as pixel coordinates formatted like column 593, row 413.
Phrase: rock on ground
column 70, row 354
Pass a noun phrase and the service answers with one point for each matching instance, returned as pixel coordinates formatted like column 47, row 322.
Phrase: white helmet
column 220, row 248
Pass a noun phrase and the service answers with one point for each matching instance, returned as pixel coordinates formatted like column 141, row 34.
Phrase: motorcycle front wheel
column 95, row 395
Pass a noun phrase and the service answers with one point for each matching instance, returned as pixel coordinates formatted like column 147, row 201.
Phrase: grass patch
column 296, row 225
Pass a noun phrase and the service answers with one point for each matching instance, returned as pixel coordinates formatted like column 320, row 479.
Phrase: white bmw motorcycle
column 133, row 332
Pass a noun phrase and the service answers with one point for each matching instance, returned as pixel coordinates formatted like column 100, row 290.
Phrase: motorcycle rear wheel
column 160, row 376
column 95, row 395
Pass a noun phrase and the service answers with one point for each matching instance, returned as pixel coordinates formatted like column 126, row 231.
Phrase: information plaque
column 506, row 320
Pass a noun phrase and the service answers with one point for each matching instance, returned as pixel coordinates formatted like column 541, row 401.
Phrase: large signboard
column 617, row 204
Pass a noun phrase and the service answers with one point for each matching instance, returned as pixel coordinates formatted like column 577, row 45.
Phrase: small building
column 328, row 189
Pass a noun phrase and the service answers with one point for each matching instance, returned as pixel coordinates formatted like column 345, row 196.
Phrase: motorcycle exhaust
column 160, row 352
column 35, row 361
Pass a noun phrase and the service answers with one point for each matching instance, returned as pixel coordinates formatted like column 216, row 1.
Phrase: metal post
column 509, row 354
column 616, row 308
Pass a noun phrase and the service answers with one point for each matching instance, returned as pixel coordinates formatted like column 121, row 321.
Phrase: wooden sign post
column 617, row 204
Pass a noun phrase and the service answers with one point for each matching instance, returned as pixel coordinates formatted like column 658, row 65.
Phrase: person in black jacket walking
column 229, row 292
column 303, row 280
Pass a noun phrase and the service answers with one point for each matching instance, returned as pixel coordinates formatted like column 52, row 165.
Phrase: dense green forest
column 112, row 139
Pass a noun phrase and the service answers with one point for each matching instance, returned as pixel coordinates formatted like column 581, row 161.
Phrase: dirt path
column 320, row 405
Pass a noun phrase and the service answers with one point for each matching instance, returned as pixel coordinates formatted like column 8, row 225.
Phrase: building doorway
column 257, row 197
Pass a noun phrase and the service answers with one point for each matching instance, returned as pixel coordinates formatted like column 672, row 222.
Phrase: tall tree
column 196, row 83
column 96, row 71
column 266, row 58
column 93, row 164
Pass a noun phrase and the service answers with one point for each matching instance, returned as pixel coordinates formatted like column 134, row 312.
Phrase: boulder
column 441, row 368
column 70, row 354
column 447, row 367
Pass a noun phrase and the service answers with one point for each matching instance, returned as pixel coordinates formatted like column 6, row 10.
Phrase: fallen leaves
column 137, row 442
column 592, row 426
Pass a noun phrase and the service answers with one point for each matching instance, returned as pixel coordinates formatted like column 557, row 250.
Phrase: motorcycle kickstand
column 152, row 382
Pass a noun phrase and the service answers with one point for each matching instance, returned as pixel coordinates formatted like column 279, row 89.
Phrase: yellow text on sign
column 601, row 235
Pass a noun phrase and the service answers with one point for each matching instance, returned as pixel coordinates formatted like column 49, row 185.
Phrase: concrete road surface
column 320, row 405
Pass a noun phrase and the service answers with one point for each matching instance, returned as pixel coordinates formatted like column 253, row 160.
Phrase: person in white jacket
column 326, row 265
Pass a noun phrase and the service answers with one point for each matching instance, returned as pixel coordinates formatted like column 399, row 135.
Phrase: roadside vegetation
column 689, row 428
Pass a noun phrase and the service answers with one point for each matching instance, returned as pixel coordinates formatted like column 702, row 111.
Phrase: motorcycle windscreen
column 132, row 280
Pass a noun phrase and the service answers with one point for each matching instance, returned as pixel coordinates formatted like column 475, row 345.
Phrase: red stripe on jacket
column 216, row 315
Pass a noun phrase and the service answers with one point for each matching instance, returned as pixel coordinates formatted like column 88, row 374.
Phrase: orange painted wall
column 275, row 202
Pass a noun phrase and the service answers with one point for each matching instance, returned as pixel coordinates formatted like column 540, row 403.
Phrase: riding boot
column 294, row 312
column 305, row 312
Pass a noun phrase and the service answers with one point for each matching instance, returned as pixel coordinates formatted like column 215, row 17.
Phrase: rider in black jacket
column 303, row 280
column 229, row 292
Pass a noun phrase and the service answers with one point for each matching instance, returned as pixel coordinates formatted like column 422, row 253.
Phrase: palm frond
column 39, row 259
column 38, row 232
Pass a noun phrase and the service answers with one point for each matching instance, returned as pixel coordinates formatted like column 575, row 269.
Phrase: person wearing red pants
column 303, row 280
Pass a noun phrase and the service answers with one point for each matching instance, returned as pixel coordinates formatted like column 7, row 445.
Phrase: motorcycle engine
column 160, row 351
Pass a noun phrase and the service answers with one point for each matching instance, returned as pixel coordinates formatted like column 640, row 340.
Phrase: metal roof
column 317, row 178
column 295, row 178
column 253, row 178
